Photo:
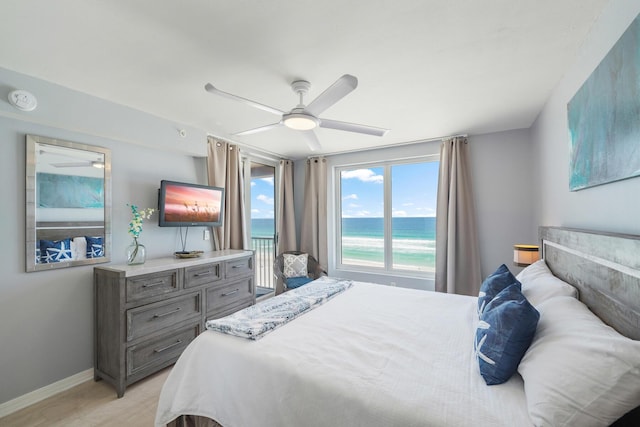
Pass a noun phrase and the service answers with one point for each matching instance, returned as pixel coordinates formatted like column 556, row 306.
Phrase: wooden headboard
column 63, row 230
column 605, row 267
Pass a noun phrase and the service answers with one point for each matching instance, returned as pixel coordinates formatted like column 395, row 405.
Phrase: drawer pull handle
column 230, row 293
column 160, row 350
column 155, row 316
column 206, row 273
column 236, row 266
column 151, row 285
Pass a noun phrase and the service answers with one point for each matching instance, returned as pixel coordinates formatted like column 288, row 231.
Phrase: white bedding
column 372, row 356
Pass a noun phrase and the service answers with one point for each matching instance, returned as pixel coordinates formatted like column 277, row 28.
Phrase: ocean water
column 413, row 241
column 262, row 227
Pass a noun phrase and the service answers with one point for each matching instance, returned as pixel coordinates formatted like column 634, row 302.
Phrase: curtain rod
column 255, row 151
column 279, row 157
column 402, row 144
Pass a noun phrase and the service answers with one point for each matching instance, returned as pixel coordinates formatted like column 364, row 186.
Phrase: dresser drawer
column 163, row 350
column 151, row 285
column 151, row 318
column 229, row 310
column 229, row 294
column 238, row 267
column 202, row 274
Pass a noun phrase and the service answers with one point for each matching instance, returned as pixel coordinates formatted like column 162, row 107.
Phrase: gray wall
column 503, row 183
column 46, row 318
column 611, row 207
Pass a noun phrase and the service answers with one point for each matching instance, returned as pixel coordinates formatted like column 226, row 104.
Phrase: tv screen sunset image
column 191, row 204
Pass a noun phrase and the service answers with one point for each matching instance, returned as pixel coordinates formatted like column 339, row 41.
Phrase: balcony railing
column 264, row 250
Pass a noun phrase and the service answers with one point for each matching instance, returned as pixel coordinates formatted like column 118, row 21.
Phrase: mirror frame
column 31, row 209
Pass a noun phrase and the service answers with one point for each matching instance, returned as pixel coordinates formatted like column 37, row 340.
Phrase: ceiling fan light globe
column 299, row 121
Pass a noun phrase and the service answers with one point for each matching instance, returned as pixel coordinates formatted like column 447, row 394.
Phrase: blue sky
column 413, row 187
column 262, row 196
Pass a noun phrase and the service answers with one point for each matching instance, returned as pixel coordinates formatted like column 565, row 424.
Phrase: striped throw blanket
column 258, row 320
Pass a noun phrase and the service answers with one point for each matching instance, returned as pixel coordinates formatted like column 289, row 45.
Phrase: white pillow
column 539, row 284
column 295, row 265
column 79, row 248
column 578, row 371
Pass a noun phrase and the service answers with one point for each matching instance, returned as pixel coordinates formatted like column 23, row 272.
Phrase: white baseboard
column 44, row 392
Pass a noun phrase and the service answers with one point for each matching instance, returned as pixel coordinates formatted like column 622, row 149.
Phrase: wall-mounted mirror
column 68, row 196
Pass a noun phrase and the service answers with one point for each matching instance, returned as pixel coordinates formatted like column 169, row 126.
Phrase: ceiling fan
column 305, row 118
column 57, row 160
column 82, row 164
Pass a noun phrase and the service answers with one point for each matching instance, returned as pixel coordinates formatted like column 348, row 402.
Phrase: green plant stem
column 135, row 251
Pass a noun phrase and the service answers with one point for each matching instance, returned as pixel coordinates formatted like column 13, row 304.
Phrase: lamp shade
column 524, row 255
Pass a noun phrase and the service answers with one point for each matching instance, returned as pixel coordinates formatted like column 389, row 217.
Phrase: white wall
column 46, row 318
column 502, row 182
column 613, row 207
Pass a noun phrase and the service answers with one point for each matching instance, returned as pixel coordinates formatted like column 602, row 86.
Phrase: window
column 387, row 216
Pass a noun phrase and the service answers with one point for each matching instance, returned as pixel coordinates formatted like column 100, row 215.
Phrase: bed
column 375, row 355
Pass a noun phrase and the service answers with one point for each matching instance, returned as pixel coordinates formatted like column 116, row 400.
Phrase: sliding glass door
column 261, row 202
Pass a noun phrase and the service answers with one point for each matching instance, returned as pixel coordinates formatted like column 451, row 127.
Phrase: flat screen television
column 187, row 205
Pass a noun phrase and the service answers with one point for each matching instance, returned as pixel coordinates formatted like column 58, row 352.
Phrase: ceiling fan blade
column 312, row 140
column 353, row 127
column 334, row 93
column 258, row 129
column 72, row 164
column 212, row 89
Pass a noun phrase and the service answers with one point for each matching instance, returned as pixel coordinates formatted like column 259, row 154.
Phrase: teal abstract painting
column 604, row 117
column 66, row 191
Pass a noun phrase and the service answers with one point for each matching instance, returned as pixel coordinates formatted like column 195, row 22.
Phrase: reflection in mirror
column 68, row 195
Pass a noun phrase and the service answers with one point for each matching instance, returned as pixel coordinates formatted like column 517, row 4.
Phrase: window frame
column 386, row 166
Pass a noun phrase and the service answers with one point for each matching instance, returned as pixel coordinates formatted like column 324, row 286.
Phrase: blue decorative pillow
column 493, row 284
column 95, row 249
column 296, row 282
column 55, row 251
column 504, row 334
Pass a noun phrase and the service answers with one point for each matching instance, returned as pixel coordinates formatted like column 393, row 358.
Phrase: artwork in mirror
column 68, row 196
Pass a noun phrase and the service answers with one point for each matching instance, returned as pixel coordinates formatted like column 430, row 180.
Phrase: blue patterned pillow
column 296, row 282
column 55, row 250
column 504, row 334
column 95, row 249
column 493, row 284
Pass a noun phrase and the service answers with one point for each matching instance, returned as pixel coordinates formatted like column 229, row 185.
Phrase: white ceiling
column 426, row 68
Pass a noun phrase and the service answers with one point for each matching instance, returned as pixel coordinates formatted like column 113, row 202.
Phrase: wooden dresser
column 146, row 315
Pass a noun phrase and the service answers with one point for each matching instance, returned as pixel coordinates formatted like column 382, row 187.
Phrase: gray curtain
column 457, row 253
column 286, row 221
column 224, row 168
column 313, row 230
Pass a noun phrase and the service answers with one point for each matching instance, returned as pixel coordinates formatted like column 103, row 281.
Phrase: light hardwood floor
column 93, row 404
